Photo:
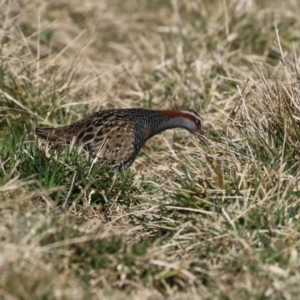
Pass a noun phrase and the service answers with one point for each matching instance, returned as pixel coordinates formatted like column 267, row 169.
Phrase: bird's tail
column 54, row 135
column 45, row 133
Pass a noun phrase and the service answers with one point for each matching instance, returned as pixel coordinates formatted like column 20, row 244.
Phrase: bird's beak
column 201, row 132
column 201, row 135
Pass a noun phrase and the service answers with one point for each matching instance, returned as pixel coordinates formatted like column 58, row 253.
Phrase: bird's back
column 110, row 135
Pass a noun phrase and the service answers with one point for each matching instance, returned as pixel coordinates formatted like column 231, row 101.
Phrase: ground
column 190, row 219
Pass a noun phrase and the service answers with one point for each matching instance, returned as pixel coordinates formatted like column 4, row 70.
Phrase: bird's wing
column 112, row 141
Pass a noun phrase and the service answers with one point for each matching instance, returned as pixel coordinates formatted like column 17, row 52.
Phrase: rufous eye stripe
column 193, row 116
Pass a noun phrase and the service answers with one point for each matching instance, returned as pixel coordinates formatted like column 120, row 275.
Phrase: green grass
column 188, row 220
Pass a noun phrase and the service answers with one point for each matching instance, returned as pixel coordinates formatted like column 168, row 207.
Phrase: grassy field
column 188, row 220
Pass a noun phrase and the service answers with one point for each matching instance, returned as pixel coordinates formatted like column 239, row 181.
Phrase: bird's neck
column 168, row 119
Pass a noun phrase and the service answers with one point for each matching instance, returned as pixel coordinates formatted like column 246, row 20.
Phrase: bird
column 116, row 136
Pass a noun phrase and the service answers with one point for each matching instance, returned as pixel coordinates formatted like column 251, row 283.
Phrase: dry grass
column 189, row 220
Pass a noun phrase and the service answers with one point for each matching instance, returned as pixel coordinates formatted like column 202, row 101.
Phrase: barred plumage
column 117, row 135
